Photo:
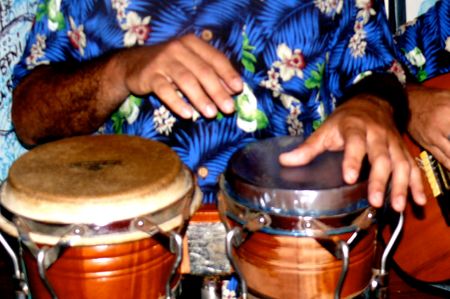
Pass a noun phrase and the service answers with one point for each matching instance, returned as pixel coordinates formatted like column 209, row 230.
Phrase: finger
column 211, row 83
column 401, row 175
column 307, row 151
column 416, row 185
column 168, row 95
column 355, row 150
column 380, row 170
column 219, row 61
column 188, row 83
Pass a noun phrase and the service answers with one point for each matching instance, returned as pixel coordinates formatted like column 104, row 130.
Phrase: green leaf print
column 316, row 77
column 248, row 60
column 317, row 123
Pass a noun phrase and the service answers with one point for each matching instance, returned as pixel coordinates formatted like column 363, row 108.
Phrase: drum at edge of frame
column 99, row 217
column 296, row 232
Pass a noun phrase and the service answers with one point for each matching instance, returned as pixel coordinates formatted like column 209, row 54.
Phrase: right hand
column 429, row 123
column 187, row 64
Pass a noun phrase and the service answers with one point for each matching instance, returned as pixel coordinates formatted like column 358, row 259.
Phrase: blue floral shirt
column 424, row 43
column 297, row 59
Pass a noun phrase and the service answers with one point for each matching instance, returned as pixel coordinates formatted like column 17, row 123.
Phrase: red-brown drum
column 296, row 232
column 99, row 216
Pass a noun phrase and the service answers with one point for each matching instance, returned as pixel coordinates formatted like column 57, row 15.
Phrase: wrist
column 387, row 92
column 113, row 84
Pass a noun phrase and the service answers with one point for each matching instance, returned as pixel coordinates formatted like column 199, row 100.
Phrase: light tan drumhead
column 95, row 179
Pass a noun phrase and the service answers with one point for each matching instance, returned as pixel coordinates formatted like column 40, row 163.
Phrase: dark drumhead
column 257, row 164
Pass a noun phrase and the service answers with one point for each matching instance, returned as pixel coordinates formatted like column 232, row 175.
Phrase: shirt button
column 207, row 35
column 202, row 172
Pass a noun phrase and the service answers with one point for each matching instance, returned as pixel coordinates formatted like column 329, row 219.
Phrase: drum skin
column 276, row 266
column 137, row 269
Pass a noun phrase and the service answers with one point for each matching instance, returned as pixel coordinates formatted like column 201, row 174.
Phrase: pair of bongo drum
column 104, row 217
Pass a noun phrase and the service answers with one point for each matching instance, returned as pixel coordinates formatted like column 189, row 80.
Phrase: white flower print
column 138, row 30
column 130, row 109
column 397, row 69
column 120, row 6
column 295, row 127
column 247, row 105
column 288, row 100
column 36, row 52
column 366, row 10
column 76, row 36
column 447, row 44
column 163, row 120
column 272, row 82
column 292, row 62
column 358, row 44
column 415, row 57
column 54, row 7
column 361, row 76
column 329, row 6
column 401, row 29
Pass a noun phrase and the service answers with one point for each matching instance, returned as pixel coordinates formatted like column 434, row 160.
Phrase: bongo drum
column 296, row 232
column 99, row 217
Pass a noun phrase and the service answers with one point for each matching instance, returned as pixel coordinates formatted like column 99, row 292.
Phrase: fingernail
column 228, row 106
column 377, row 199
column 399, row 203
column 421, row 199
column 351, row 175
column 187, row 113
column 210, row 110
column 236, row 84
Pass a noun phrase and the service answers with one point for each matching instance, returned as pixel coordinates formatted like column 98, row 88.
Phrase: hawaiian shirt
column 297, row 58
column 424, row 43
column 16, row 18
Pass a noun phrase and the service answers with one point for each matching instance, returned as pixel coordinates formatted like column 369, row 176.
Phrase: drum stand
column 310, row 227
column 20, row 283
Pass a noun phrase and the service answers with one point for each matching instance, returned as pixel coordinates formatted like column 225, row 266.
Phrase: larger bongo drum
column 296, row 232
column 99, row 217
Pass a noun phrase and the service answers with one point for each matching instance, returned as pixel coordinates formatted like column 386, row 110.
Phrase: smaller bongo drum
column 296, row 232
column 99, row 217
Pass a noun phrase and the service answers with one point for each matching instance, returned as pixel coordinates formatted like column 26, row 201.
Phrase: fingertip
column 399, row 203
column 236, row 84
column 210, row 110
column 228, row 106
column 187, row 113
column 420, row 199
column 350, row 175
column 292, row 158
column 376, row 199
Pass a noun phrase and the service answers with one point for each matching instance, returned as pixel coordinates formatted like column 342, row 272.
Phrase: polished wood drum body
column 136, row 269
column 286, row 225
column 103, row 212
column 300, row 267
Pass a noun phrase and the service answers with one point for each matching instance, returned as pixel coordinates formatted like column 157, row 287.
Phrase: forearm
column 63, row 100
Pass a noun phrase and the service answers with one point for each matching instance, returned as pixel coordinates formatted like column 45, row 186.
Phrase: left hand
column 364, row 125
column 429, row 123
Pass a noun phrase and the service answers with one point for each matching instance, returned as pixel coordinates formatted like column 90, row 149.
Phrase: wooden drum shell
column 276, row 266
column 137, row 269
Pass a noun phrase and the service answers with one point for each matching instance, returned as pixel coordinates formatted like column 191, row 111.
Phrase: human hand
column 187, row 64
column 429, row 123
column 364, row 125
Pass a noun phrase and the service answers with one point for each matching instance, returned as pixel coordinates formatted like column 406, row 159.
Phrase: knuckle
column 383, row 161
